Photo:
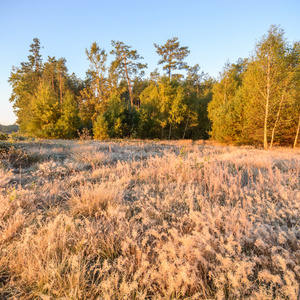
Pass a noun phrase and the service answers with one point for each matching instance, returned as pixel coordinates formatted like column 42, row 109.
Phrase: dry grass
column 149, row 220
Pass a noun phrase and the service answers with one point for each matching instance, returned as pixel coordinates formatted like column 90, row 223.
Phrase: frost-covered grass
column 148, row 220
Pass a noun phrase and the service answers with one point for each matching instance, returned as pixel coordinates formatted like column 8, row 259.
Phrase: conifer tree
column 68, row 123
column 127, row 65
column 172, row 55
column 97, row 74
column 35, row 58
column 62, row 72
column 220, row 108
column 24, row 81
column 45, row 112
column 95, row 95
column 50, row 72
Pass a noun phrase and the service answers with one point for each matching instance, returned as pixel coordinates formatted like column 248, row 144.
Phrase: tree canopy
column 254, row 101
column 172, row 55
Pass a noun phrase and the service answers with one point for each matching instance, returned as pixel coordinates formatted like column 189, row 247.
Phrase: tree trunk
column 128, row 82
column 224, row 96
column 277, row 119
column 267, row 105
column 52, row 80
column 170, row 130
column 186, row 127
column 297, row 133
column 60, row 91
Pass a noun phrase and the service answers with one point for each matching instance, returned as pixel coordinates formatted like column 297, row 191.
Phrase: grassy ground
column 148, row 220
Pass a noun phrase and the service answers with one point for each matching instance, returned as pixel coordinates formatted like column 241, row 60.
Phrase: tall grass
column 145, row 220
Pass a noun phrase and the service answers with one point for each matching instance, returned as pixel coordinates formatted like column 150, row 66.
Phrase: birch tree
column 265, row 85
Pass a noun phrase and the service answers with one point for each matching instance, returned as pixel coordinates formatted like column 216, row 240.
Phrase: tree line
column 255, row 100
column 115, row 100
column 9, row 128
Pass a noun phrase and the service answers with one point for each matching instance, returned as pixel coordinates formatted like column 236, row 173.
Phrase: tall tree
column 266, row 83
column 44, row 96
column 194, row 78
column 172, row 55
column 68, row 123
column 149, row 112
column 220, row 110
column 97, row 72
column 127, row 64
column 62, row 72
column 35, row 58
column 45, row 112
column 24, row 81
column 94, row 97
column 296, row 95
column 49, row 71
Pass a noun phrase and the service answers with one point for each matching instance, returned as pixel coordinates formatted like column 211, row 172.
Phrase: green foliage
column 226, row 106
column 45, row 112
column 44, row 96
column 24, row 81
column 120, row 120
column 256, row 101
column 100, row 128
column 96, row 93
column 114, row 102
column 3, row 136
column 172, row 55
column 69, row 121
column 149, row 112
column 126, row 65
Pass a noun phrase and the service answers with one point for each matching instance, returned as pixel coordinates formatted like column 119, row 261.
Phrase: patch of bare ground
column 148, row 220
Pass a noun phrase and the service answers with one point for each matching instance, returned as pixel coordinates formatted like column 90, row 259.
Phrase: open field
column 148, row 220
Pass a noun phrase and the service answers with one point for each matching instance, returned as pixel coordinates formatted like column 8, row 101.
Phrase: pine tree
column 50, row 72
column 172, row 55
column 149, row 112
column 97, row 75
column 220, row 109
column 68, row 123
column 35, row 58
column 45, row 112
column 126, row 64
column 24, row 81
column 62, row 73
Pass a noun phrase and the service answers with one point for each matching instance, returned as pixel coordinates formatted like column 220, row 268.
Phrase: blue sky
column 215, row 31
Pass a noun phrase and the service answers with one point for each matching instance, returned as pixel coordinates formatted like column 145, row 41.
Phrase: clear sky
column 215, row 31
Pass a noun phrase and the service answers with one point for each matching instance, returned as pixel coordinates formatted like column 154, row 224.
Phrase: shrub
column 100, row 128
column 3, row 136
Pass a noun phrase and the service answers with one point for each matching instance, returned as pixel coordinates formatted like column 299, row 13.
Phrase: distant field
column 148, row 220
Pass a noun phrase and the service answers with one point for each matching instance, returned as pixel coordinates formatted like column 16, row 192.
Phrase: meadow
column 148, row 220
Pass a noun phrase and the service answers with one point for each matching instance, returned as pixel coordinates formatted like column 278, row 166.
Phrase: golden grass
column 149, row 220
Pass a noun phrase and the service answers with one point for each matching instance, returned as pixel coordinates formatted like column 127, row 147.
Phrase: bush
column 3, row 136
column 17, row 136
column 84, row 134
column 100, row 128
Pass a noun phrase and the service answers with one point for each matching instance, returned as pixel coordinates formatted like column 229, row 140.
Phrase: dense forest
column 255, row 100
